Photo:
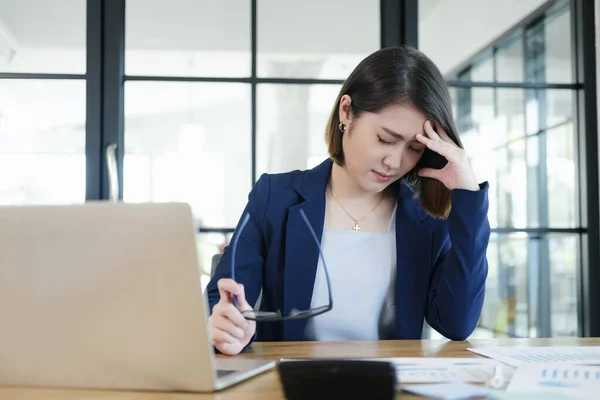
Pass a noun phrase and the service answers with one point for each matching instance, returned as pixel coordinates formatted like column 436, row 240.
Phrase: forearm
column 458, row 288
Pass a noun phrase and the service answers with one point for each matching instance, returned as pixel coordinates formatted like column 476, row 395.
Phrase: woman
column 398, row 212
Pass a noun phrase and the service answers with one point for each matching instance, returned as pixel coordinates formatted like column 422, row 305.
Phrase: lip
column 381, row 177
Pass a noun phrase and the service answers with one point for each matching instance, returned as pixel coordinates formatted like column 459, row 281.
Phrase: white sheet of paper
column 520, row 355
column 448, row 391
column 579, row 381
column 437, row 370
column 498, row 395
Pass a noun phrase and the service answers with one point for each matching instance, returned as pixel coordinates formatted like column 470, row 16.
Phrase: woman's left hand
column 458, row 173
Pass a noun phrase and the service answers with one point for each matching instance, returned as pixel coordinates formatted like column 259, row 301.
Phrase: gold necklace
column 356, row 227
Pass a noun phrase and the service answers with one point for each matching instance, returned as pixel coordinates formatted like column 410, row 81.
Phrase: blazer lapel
column 413, row 249
column 302, row 253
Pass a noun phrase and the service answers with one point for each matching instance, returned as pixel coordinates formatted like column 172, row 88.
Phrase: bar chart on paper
column 515, row 356
column 581, row 381
column 570, row 374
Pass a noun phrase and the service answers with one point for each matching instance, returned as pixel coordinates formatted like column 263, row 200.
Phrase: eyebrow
column 394, row 134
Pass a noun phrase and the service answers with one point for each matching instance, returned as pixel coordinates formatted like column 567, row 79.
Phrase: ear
column 344, row 110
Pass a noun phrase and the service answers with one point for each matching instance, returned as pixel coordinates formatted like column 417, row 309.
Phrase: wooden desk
column 266, row 386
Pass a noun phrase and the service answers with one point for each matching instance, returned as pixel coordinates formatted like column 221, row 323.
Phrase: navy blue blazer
column 441, row 264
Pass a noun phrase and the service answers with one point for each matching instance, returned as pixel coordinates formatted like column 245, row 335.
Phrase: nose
column 393, row 161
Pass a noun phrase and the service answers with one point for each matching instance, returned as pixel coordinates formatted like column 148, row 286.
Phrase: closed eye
column 418, row 151
column 384, row 141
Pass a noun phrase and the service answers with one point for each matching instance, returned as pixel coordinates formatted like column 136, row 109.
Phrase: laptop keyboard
column 224, row 372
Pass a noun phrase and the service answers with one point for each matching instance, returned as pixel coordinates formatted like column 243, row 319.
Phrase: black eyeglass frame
column 276, row 316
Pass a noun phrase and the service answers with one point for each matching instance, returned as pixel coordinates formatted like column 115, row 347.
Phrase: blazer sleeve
column 251, row 249
column 457, row 284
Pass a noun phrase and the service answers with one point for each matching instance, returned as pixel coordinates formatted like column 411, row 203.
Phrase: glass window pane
column 563, row 253
column 562, row 177
column 548, row 108
column 454, row 98
column 512, row 185
column 483, row 69
column 505, row 306
column 291, row 125
column 560, row 107
column 464, row 110
column 208, row 245
column 548, row 49
column 316, row 39
column 482, row 108
column 559, row 56
column 509, row 60
column 475, row 112
column 188, row 38
column 480, row 70
column 520, row 200
column 477, row 25
column 511, row 114
column 486, row 168
column 493, row 299
column 189, row 142
column 552, row 201
column 535, row 60
column 42, row 141
column 513, row 283
column 533, row 182
column 43, row 36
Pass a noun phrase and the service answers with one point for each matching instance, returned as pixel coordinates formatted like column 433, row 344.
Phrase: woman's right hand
column 230, row 332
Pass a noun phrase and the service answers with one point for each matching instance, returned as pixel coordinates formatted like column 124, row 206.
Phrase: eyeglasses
column 271, row 316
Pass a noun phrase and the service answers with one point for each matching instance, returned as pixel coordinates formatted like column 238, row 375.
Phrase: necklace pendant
column 356, row 227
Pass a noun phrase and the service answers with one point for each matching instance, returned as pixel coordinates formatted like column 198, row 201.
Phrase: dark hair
column 397, row 75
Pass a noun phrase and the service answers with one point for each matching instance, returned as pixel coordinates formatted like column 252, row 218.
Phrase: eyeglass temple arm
column 318, row 243
column 314, row 235
column 233, row 250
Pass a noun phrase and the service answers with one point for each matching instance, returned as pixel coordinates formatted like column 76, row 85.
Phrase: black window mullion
column 390, row 22
column 587, row 130
column 399, row 22
column 93, row 121
column 113, row 62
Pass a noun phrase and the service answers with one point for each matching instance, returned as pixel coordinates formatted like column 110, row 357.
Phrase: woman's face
column 380, row 148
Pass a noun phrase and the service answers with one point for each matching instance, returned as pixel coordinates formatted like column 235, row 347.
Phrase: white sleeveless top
column 362, row 271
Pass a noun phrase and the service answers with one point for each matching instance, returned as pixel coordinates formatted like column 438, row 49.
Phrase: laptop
column 107, row 296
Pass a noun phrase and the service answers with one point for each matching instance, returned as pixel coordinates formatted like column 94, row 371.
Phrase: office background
column 201, row 97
